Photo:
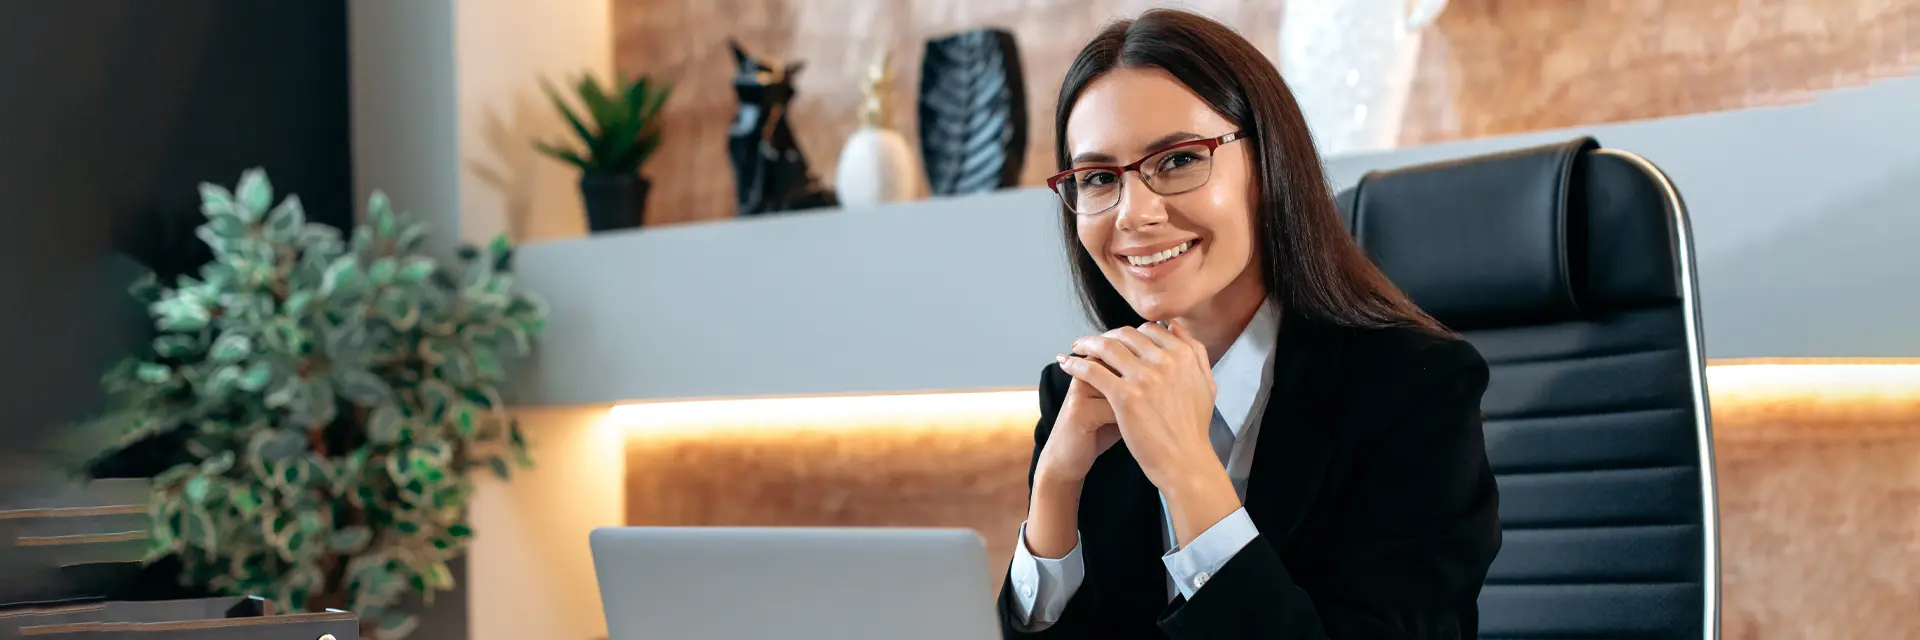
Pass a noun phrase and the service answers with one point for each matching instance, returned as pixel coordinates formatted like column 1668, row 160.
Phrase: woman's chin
column 1159, row 310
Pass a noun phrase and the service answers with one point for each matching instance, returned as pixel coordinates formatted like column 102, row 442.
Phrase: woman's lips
column 1158, row 270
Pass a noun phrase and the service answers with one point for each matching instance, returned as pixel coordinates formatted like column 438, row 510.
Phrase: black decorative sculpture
column 769, row 172
column 973, row 113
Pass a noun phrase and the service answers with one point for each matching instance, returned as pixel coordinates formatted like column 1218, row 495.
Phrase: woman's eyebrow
column 1171, row 139
column 1101, row 157
column 1088, row 157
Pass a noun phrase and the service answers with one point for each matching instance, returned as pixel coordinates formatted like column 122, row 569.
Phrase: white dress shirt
column 1243, row 376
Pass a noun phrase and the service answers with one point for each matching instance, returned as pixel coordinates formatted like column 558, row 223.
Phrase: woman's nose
column 1139, row 206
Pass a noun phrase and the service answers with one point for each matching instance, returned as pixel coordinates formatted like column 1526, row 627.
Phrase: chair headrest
column 1530, row 236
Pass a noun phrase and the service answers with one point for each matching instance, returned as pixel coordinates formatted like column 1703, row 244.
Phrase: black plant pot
column 614, row 202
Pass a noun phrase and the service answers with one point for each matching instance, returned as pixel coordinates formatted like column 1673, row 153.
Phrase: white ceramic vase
column 878, row 166
column 1350, row 64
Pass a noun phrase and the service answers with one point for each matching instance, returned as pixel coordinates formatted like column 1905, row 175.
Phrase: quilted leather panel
column 1622, row 439
column 1613, row 611
column 1591, row 433
column 1607, row 497
column 1612, row 554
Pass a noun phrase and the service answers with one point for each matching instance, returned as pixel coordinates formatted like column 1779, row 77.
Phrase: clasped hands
column 1153, row 387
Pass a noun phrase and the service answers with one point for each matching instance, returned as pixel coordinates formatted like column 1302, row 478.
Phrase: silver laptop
column 688, row 583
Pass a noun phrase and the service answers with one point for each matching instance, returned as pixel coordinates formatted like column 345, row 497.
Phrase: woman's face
column 1170, row 256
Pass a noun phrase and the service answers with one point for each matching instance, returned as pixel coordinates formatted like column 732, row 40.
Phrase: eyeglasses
column 1174, row 170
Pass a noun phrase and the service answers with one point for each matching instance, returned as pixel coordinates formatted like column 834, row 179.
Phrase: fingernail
column 1059, row 358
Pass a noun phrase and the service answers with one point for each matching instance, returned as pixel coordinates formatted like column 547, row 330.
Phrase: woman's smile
column 1155, row 262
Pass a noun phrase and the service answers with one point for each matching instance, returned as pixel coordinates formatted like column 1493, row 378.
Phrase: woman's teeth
column 1148, row 261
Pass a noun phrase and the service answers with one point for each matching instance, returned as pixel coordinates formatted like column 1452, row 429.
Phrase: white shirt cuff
column 1192, row 566
column 1042, row 586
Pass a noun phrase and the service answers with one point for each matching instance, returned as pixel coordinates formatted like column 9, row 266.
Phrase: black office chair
column 1570, row 267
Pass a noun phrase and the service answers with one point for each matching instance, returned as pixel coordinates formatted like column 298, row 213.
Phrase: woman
column 1300, row 446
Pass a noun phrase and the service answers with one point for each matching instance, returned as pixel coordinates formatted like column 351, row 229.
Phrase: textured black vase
column 614, row 202
column 973, row 112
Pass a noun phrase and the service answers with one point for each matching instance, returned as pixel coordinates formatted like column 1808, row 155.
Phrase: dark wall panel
column 111, row 112
column 120, row 107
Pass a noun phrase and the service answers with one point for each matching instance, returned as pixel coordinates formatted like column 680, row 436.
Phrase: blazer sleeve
column 1078, row 619
column 1417, row 529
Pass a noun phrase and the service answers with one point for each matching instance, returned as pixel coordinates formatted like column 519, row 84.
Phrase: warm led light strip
column 1729, row 380
column 1846, row 378
column 825, row 409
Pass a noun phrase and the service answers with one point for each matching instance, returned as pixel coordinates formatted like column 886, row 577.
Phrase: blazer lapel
column 1291, row 456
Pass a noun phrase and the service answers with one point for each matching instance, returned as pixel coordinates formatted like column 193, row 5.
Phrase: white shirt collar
column 1244, row 373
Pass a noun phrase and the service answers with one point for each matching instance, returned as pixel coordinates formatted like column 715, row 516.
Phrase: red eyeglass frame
column 1212, row 145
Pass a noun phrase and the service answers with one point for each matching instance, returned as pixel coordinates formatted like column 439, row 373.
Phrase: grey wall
column 405, row 111
column 1806, row 218
column 406, row 143
column 940, row 294
column 1803, row 215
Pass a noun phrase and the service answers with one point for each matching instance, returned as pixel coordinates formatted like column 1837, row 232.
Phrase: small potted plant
column 620, row 132
column 328, row 397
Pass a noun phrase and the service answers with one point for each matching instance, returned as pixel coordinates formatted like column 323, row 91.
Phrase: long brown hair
column 1308, row 261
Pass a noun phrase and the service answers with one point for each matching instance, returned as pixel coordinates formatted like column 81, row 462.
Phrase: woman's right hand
column 1084, row 429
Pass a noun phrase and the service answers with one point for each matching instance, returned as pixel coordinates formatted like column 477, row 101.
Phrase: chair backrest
column 1570, row 267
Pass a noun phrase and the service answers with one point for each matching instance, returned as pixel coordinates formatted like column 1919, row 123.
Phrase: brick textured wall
column 1495, row 67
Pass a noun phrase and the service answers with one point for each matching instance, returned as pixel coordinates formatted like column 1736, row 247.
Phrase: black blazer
column 1377, row 510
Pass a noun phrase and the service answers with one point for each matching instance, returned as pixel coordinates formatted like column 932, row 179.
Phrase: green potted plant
column 620, row 132
column 331, row 396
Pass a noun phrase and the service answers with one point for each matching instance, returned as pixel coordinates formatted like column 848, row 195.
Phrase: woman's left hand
column 1160, row 384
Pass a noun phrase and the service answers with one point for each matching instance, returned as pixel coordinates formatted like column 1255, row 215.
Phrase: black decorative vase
column 973, row 113
column 614, row 202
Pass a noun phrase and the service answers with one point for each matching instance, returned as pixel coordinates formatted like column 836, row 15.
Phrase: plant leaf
column 412, row 235
column 579, row 128
column 215, row 200
column 396, row 626
column 465, row 419
column 218, row 464
column 382, row 271
column 253, row 195
column 383, row 424
column 153, row 373
column 436, row 396
column 401, row 310
column 567, row 155
column 198, row 529
column 439, row 576
column 257, row 376
column 350, row 539
column 362, row 387
column 285, row 222
column 415, row 270
column 197, row 489
column 380, row 217
column 348, row 342
column 341, row 275
column 231, row 347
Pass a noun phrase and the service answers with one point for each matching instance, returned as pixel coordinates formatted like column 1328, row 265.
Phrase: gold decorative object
column 877, row 165
column 877, row 107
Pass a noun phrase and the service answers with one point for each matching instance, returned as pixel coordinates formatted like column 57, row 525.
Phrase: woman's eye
column 1098, row 179
column 1179, row 159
